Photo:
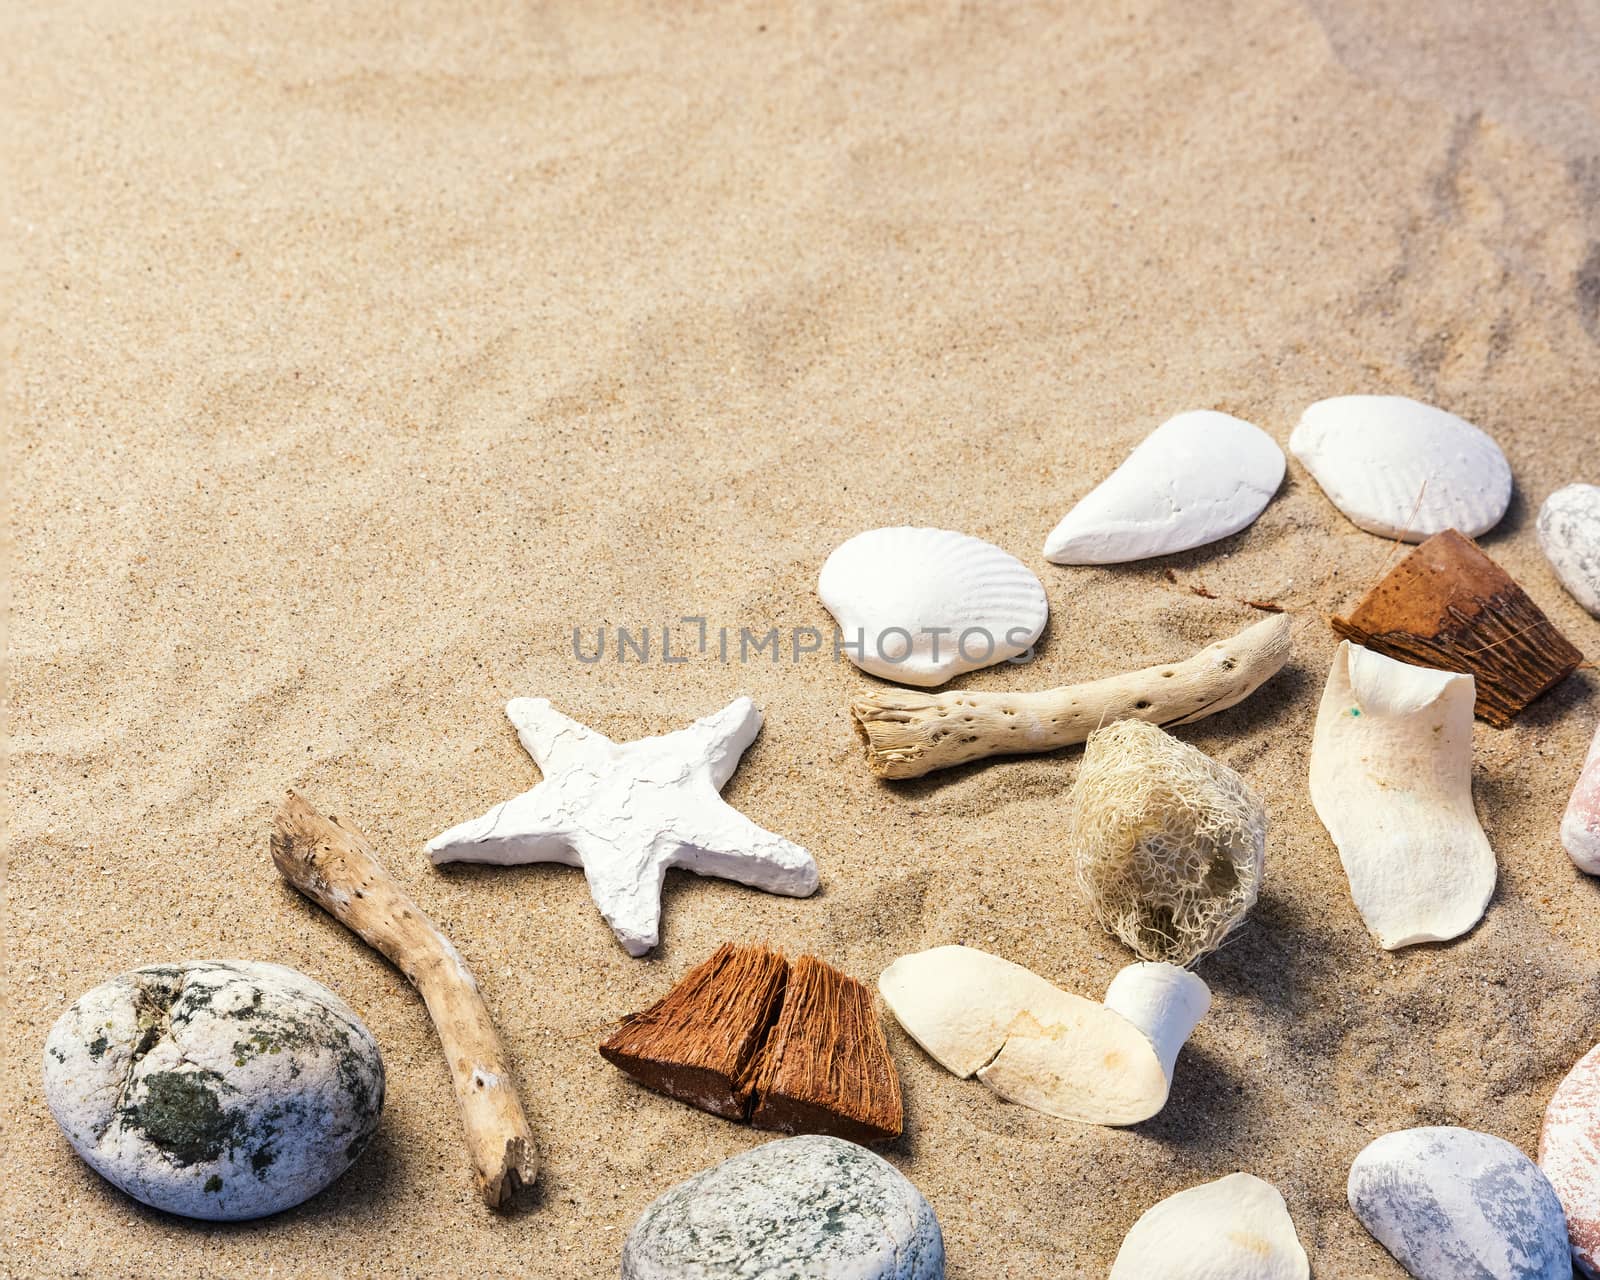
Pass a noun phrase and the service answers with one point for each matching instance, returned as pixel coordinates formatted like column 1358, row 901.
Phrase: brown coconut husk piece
column 1448, row 606
column 746, row 1036
column 695, row 1042
column 825, row 1066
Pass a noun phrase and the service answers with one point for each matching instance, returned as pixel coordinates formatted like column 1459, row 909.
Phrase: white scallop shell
column 1569, row 533
column 1401, row 468
column 1197, row 477
column 927, row 604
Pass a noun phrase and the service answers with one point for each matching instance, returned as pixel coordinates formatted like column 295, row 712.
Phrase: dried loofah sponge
column 1168, row 842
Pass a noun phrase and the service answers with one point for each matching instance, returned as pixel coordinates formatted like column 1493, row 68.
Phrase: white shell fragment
column 626, row 812
column 217, row 1089
column 806, row 1208
column 1580, row 826
column 1401, row 468
column 1569, row 1155
column 1450, row 1203
column 1045, row 1048
column 1197, row 477
column 1236, row 1228
column 1391, row 779
column 1569, row 533
column 921, row 606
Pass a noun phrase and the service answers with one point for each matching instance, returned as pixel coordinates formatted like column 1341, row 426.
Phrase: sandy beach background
column 356, row 354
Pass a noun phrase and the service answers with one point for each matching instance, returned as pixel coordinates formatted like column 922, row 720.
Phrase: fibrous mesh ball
column 1168, row 842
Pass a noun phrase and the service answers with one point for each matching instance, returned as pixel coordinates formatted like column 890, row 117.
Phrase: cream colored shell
column 1045, row 1048
column 1391, row 779
column 1236, row 1228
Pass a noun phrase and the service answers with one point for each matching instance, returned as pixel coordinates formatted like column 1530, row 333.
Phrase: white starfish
column 627, row 811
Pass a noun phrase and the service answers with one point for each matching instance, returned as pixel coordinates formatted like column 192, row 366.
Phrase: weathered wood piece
column 334, row 866
column 1450, row 607
column 696, row 1041
column 825, row 1067
column 747, row 1036
column 910, row 733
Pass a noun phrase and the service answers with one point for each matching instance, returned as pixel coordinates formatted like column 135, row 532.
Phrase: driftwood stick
column 334, row 866
column 910, row 733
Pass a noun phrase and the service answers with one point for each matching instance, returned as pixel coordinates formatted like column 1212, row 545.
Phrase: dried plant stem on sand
column 910, row 733
column 334, row 866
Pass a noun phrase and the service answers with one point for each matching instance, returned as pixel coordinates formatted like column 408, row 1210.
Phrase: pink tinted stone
column 1580, row 829
column 1569, row 1154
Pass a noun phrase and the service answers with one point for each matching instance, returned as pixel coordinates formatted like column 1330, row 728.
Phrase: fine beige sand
column 357, row 354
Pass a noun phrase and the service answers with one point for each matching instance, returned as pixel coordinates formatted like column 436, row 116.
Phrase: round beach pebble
column 1569, row 533
column 1401, row 468
column 1569, row 1154
column 1450, row 1203
column 807, row 1208
column 215, row 1089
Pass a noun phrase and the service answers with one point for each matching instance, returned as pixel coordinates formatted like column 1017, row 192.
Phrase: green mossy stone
column 214, row 1089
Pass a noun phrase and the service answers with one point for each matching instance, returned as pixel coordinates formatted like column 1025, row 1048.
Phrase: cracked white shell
column 1197, row 477
column 1403, row 469
column 921, row 606
column 1035, row 1044
column 1391, row 779
column 1569, row 534
column 1236, row 1228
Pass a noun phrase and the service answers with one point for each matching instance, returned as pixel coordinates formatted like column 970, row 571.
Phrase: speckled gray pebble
column 1569, row 532
column 1453, row 1204
column 215, row 1089
column 807, row 1208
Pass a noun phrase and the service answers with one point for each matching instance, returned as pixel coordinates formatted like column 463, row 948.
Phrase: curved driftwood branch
column 910, row 733
column 334, row 866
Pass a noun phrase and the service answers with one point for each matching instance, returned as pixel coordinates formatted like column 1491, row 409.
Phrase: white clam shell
column 1403, row 469
column 928, row 604
column 1569, row 534
column 1237, row 1227
column 1391, row 779
column 1197, row 477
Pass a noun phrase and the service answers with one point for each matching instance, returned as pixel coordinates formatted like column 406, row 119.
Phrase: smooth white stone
column 1452, row 1203
column 1236, row 1228
column 1403, row 469
column 1569, row 532
column 1569, row 1155
column 627, row 811
column 921, row 606
column 1391, row 779
column 217, row 1089
column 807, row 1208
column 1197, row 477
